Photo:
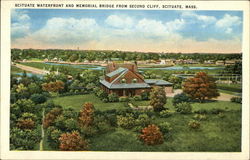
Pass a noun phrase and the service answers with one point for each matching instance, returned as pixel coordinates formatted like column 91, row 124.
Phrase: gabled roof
column 115, row 72
column 158, row 82
column 124, row 85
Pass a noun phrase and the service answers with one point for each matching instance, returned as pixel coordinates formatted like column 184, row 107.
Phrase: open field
column 217, row 133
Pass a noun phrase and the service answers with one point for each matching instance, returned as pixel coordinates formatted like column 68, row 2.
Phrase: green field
column 220, row 134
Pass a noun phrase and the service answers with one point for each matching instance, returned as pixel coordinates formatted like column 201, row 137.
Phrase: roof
column 124, row 85
column 157, row 82
column 115, row 72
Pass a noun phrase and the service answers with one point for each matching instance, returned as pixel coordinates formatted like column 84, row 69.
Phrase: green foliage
column 34, row 88
column 24, row 139
column 194, row 124
column 38, row 98
column 183, row 108
column 158, row 98
column 143, row 120
column 145, row 95
column 236, row 99
column 127, row 121
column 178, row 98
column 123, row 99
column 23, row 105
column 166, row 113
column 165, row 127
column 176, row 81
column 200, row 117
column 137, row 98
column 113, row 97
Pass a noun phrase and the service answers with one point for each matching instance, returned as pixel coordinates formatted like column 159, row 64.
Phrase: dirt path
column 41, row 142
column 222, row 97
column 31, row 69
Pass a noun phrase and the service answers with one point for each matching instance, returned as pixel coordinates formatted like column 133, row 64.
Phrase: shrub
column 25, row 123
column 86, row 116
column 53, row 137
column 158, row 98
column 200, row 117
column 51, row 116
column 113, row 97
column 151, row 135
column 123, row 99
column 143, row 120
column 236, row 99
column 221, row 115
column 38, row 98
column 194, row 124
column 137, row 98
column 145, row 95
column 183, row 108
column 179, row 98
column 72, row 142
column 165, row 127
column 127, row 121
column 166, row 113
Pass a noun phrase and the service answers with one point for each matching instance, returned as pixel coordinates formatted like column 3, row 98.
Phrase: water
column 30, row 75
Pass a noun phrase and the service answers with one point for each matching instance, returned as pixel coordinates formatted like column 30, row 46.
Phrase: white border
column 5, row 91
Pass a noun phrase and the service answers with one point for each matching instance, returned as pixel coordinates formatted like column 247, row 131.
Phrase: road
column 30, row 69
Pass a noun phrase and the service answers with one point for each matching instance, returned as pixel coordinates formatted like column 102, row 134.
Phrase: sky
column 128, row 30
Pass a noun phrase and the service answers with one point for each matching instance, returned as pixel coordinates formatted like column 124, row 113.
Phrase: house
column 220, row 63
column 125, row 80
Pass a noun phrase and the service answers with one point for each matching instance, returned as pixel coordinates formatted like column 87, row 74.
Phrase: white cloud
column 228, row 21
column 68, row 31
column 151, row 28
column 119, row 21
column 176, row 24
column 206, row 20
column 20, row 25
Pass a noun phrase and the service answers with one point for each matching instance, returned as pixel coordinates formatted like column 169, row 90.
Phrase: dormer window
column 134, row 80
column 123, row 80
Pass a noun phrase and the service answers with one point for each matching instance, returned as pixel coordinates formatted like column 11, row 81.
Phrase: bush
column 182, row 97
column 236, row 99
column 143, row 120
column 72, row 142
column 165, row 127
column 166, row 113
column 200, row 117
column 38, row 98
column 145, row 95
column 53, row 137
column 123, row 99
column 194, row 124
column 113, row 97
column 127, row 121
column 183, row 108
column 137, row 98
column 151, row 135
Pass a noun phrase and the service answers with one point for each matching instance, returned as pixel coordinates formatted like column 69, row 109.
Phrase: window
column 134, row 80
column 123, row 80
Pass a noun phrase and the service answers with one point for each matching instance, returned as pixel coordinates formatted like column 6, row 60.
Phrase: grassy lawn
column 216, row 134
column 14, row 69
column 76, row 102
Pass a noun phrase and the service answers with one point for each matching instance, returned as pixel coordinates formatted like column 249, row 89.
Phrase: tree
column 86, row 116
column 200, row 87
column 53, row 86
column 158, row 98
column 72, row 142
column 38, row 98
column 152, row 135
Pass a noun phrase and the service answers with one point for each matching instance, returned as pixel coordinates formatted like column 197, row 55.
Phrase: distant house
column 209, row 62
column 230, row 62
column 125, row 80
column 220, row 63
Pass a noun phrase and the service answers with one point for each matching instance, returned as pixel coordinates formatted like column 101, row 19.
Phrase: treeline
column 91, row 55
